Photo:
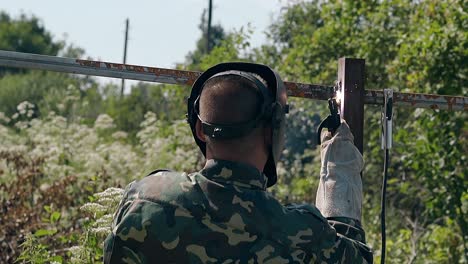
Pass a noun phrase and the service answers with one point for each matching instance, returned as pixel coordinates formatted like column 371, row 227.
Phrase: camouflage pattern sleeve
column 348, row 227
column 223, row 214
column 342, row 239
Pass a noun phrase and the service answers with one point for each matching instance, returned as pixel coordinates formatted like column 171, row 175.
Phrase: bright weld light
column 339, row 96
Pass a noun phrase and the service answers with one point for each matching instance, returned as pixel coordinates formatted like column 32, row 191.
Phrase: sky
column 161, row 32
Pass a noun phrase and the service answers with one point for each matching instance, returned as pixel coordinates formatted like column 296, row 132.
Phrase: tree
column 48, row 91
column 25, row 34
column 217, row 35
column 129, row 111
column 417, row 46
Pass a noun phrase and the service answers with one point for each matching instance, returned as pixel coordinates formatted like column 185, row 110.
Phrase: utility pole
column 124, row 56
column 208, row 31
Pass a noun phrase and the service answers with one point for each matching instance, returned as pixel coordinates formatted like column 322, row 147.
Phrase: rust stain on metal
column 179, row 76
column 432, row 96
column 407, row 97
column 450, row 102
column 373, row 97
column 88, row 63
column 311, row 91
column 432, row 101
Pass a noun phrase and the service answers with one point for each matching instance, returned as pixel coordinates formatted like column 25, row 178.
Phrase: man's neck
column 255, row 162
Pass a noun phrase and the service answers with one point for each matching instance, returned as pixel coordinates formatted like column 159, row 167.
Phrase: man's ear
column 199, row 131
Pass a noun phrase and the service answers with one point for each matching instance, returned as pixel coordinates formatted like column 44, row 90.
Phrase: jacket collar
column 236, row 173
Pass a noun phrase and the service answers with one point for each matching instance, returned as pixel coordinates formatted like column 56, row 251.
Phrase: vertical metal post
column 124, row 55
column 351, row 75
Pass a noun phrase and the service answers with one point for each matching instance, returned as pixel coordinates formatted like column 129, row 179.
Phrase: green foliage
column 51, row 166
column 90, row 240
column 128, row 112
column 100, row 212
column 37, row 213
column 217, row 35
column 433, row 50
column 25, row 34
column 35, row 252
column 234, row 47
column 49, row 92
column 417, row 46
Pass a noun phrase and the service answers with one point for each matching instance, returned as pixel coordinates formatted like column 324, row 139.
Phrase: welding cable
column 382, row 213
column 387, row 144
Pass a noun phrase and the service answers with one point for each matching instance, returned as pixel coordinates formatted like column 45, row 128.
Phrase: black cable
column 383, row 199
column 387, row 114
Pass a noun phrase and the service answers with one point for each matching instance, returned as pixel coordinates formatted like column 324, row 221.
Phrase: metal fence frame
column 351, row 80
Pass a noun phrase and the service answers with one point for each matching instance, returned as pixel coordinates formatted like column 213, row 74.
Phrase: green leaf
column 45, row 232
column 58, row 259
column 47, row 208
column 54, row 217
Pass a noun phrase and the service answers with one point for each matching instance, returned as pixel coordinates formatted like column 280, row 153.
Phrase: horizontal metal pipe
column 170, row 76
column 96, row 68
column 419, row 100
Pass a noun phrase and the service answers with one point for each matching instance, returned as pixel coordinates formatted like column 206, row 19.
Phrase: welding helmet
column 272, row 111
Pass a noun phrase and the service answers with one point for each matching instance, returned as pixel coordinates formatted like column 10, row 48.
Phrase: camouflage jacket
column 223, row 214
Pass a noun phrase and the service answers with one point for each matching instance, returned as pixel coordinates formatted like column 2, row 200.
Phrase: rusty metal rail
column 181, row 77
column 419, row 100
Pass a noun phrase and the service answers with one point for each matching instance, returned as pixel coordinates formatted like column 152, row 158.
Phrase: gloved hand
column 339, row 192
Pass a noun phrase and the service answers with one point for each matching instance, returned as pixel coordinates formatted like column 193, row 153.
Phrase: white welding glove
column 339, row 192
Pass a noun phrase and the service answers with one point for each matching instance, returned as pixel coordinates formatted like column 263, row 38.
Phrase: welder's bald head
column 229, row 99
column 232, row 99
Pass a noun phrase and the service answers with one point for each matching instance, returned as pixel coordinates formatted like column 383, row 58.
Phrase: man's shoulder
column 159, row 186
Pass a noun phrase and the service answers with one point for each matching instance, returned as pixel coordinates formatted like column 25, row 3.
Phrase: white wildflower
column 61, row 107
column 119, row 135
column 105, row 220
column 44, row 187
column 59, row 122
column 107, row 201
column 104, row 121
column 75, row 250
column 93, row 208
column 3, row 132
column 24, row 106
column 21, row 125
column 110, row 192
column 101, row 230
column 4, row 118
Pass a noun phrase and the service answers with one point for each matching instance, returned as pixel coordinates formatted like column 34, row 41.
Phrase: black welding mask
column 272, row 111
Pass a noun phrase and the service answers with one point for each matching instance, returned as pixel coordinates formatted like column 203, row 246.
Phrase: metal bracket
column 387, row 119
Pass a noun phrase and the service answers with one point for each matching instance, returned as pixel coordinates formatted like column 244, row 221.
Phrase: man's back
column 223, row 214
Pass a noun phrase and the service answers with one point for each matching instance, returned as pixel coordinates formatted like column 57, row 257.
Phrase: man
column 223, row 214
